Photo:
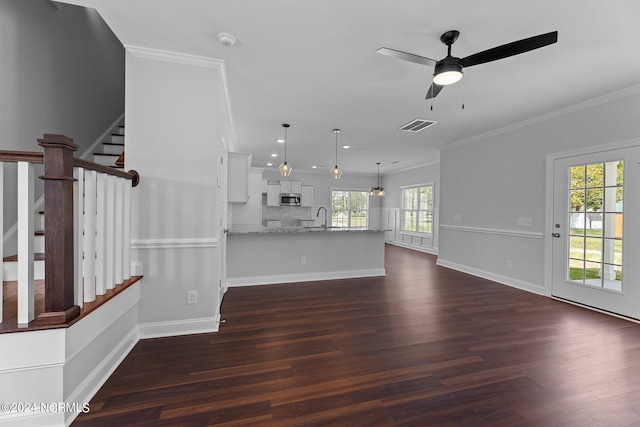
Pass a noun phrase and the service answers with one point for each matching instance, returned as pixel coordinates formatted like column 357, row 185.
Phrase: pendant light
column 377, row 191
column 337, row 173
column 285, row 169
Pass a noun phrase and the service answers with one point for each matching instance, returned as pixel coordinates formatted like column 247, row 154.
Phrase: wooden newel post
column 58, row 179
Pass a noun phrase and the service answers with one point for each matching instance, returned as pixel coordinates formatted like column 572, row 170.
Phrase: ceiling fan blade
column 434, row 90
column 510, row 49
column 407, row 56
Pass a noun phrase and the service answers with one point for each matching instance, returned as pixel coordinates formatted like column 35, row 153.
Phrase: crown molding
column 175, row 57
column 548, row 116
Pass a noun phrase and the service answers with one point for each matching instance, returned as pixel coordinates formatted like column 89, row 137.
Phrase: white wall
column 62, row 72
column 391, row 203
column 174, row 116
column 495, row 179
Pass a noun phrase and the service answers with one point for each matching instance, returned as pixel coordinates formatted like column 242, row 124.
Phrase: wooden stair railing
column 61, row 263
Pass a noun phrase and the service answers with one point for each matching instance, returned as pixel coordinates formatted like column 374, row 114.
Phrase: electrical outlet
column 509, row 264
column 303, row 260
column 192, row 297
column 525, row 221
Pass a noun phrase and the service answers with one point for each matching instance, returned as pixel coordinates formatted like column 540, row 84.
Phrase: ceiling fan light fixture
column 447, row 73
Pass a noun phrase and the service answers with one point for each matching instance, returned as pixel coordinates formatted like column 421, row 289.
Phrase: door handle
column 555, row 234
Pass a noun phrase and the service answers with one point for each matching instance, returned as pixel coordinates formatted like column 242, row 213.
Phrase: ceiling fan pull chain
column 463, row 94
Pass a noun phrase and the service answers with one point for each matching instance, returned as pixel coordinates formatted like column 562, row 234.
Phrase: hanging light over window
column 337, row 173
column 378, row 190
column 285, row 169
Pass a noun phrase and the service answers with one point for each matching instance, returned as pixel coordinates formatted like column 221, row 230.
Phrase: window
column 417, row 209
column 349, row 208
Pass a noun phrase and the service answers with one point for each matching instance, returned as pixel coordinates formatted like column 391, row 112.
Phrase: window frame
column 349, row 210
column 430, row 211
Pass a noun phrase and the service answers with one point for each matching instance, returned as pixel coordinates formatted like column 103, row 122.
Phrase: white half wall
column 66, row 366
column 266, row 258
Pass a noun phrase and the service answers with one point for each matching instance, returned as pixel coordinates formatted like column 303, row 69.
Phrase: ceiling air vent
column 417, row 125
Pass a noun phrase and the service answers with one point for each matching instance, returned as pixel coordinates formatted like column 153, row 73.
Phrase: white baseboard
column 509, row 281
column 102, row 372
column 178, row 327
column 428, row 250
column 304, row 277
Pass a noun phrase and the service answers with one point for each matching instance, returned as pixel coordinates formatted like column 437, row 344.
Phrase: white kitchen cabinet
column 238, row 177
column 265, row 182
column 306, row 196
column 250, row 213
column 273, row 195
column 291, row 187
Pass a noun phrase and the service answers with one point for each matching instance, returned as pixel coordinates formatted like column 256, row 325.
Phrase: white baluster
column 25, row 243
column 126, row 250
column 119, row 209
column 110, row 232
column 101, row 287
column 89, row 243
column 1, row 228
column 78, row 238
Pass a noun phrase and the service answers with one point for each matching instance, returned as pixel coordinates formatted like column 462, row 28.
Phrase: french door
column 596, row 230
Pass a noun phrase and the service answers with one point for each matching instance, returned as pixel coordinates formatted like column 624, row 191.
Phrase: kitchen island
column 259, row 255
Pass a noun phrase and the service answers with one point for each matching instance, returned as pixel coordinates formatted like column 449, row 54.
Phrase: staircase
column 112, row 149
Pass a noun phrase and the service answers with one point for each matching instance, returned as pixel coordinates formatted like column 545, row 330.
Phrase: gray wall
column 176, row 147
column 62, row 72
column 492, row 181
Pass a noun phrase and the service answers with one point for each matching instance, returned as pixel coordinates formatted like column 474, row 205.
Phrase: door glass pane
column 593, row 250
column 576, row 270
column 612, row 225
column 594, row 199
column 576, row 201
column 577, row 222
column 592, row 273
column 595, row 218
column 576, row 247
column 577, row 176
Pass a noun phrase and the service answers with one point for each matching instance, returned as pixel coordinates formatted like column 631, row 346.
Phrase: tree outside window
column 349, row 208
column 417, row 209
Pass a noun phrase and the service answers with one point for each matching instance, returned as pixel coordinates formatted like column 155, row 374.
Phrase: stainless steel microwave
column 289, row 199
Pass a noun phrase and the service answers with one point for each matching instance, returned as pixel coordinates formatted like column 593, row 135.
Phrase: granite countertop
column 260, row 229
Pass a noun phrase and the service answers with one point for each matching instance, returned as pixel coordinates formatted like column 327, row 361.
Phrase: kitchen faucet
column 324, row 223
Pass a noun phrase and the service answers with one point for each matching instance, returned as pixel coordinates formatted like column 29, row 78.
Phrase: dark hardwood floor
column 423, row 346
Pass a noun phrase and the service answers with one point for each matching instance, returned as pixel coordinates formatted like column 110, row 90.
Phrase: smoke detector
column 226, row 39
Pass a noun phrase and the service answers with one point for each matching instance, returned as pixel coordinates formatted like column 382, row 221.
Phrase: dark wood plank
column 423, row 346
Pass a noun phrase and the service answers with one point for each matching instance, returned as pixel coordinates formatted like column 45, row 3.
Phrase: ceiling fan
column 449, row 70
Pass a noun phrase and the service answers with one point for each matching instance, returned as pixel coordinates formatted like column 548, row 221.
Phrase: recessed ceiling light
column 274, row 155
column 280, row 141
column 346, row 147
column 314, row 167
column 269, row 164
